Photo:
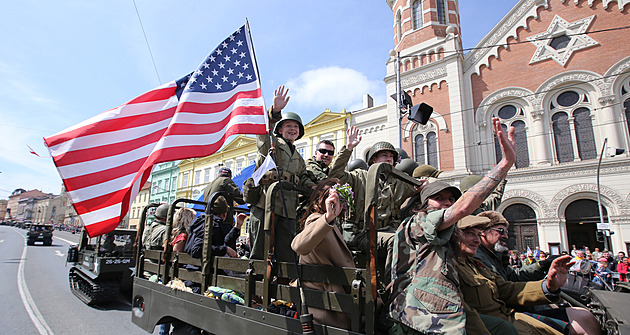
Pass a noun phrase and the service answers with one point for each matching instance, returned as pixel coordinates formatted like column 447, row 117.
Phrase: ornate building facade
column 558, row 71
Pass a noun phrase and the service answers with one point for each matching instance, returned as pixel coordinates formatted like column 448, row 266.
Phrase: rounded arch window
column 507, row 112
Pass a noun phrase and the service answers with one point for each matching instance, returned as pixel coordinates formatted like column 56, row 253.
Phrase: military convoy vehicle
column 101, row 266
column 262, row 284
column 39, row 233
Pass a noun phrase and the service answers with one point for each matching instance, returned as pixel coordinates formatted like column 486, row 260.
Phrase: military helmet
column 357, row 164
column 469, row 181
column 381, row 146
column 161, row 212
column 402, row 153
column 407, row 165
column 425, row 170
column 289, row 116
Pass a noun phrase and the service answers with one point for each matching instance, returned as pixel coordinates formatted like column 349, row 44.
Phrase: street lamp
column 418, row 113
column 601, row 226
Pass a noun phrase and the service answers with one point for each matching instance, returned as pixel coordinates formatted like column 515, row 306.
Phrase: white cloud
column 334, row 88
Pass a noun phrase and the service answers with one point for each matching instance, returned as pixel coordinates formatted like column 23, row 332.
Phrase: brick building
column 556, row 70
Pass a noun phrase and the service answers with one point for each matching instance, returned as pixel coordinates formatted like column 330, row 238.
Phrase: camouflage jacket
column 318, row 169
column 424, row 292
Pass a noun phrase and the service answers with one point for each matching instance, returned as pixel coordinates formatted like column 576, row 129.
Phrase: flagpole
column 306, row 318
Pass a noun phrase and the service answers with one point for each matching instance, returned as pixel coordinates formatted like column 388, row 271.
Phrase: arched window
column 441, row 11
column 432, row 157
column 576, row 105
column 417, row 14
column 625, row 97
column 398, row 27
column 562, row 137
column 584, row 133
column 425, row 145
column 513, row 115
column 419, row 149
column 522, row 151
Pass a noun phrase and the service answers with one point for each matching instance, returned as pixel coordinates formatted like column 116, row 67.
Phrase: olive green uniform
column 293, row 170
column 486, row 292
column 318, row 169
column 225, row 184
column 393, row 193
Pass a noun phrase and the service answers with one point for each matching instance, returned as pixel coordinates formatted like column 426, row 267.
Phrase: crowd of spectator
column 602, row 267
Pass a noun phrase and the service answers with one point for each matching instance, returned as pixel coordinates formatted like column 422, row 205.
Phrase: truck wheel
column 30, row 242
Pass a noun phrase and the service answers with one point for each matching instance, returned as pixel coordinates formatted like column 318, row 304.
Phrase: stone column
column 576, row 153
column 540, row 142
column 609, row 122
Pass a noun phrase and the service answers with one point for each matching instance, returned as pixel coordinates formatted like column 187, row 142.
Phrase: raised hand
column 333, row 207
column 508, row 145
column 558, row 272
column 353, row 137
column 280, row 99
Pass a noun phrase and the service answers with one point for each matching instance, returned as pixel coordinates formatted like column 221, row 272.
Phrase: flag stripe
column 105, row 160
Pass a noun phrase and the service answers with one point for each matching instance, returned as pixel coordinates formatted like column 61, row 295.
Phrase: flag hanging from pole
column 105, row 160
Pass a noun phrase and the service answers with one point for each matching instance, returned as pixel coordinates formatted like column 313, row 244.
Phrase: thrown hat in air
column 473, row 221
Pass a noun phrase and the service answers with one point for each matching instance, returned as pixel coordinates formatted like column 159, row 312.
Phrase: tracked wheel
column 89, row 291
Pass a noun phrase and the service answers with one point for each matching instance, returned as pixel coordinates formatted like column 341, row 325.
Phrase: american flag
column 105, row 160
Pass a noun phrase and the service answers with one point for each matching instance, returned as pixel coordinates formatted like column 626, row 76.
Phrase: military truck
column 101, row 266
column 264, row 283
column 39, row 233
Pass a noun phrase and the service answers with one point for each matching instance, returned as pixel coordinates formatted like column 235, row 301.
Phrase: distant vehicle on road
column 101, row 267
column 39, row 233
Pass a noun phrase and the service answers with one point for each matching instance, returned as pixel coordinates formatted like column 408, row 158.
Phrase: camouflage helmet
column 469, row 181
column 407, row 165
column 161, row 212
column 357, row 164
column 381, row 146
column 427, row 171
column 289, row 116
column 402, row 153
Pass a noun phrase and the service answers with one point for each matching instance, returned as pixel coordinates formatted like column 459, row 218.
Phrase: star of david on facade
column 561, row 40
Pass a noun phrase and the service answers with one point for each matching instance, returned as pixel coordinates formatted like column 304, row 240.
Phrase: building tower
column 428, row 46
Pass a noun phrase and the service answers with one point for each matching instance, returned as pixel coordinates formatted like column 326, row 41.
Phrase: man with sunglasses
column 319, row 164
column 494, row 245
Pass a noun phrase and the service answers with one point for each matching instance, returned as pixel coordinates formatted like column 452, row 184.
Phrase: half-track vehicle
column 39, row 233
column 101, row 266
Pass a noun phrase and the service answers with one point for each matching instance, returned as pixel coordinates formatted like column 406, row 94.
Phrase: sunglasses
column 501, row 231
column 325, row 151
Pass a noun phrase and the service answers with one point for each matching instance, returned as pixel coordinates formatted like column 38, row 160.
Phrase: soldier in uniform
column 287, row 128
column 319, row 164
column 422, row 246
column 224, row 183
column 407, row 165
column 357, row 163
column 393, row 193
column 154, row 235
column 426, row 171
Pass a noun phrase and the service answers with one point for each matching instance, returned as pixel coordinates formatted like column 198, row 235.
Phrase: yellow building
column 195, row 174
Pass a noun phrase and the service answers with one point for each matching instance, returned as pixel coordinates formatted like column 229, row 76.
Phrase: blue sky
column 65, row 61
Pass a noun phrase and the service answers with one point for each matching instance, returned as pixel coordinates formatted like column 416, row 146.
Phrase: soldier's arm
column 475, row 196
column 235, row 192
column 339, row 164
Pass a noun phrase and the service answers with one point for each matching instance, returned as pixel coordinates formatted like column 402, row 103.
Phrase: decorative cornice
column 507, row 28
column 613, row 73
column 424, row 77
column 532, row 197
column 569, row 77
column 508, row 92
column 573, row 170
column 607, row 100
column 606, row 193
column 620, row 3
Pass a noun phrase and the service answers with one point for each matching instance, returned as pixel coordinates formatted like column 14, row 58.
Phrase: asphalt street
column 35, row 295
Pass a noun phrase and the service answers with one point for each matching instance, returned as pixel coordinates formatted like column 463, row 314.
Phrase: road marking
column 58, row 253
column 1, row 241
column 27, row 300
column 63, row 239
